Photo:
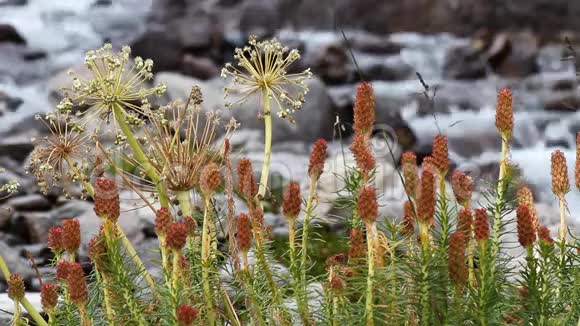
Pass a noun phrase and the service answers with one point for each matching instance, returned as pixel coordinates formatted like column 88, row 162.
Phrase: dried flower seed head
column 441, row 154
column 410, row 173
column 62, row 268
column 317, row 158
column 246, row 183
column 426, row 198
column 504, row 116
column 176, row 236
column 481, row 226
column 363, row 155
column 462, row 187
column 292, row 200
column 263, row 67
column 71, row 235
column 77, row 285
column 107, row 203
column 210, row 179
column 49, row 296
column 464, row 222
column 526, row 197
column 190, row 225
column 560, row 183
column 577, row 167
column 244, row 234
column 367, row 206
column 358, row 247
column 186, row 315
column 456, row 260
column 55, row 239
column 16, row 288
column 544, row 235
column 162, row 220
column 364, row 109
column 526, row 232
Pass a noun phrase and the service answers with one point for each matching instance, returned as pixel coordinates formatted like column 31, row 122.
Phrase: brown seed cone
column 367, row 206
column 62, row 268
column 55, row 239
column 526, row 197
column 364, row 109
column 176, row 236
column 77, row 285
column 577, row 167
column 107, row 203
column 48, row 296
column 481, row 226
column 504, row 116
column 426, row 198
column 462, row 186
column 358, row 247
column 464, row 222
column 190, row 225
column 544, row 235
column 560, row 182
column 244, row 234
column 456, row 260
column 246, row 183
column 363, row 155
column 292, row 201
column 16, row 288
column 186, row 315
column 210, row 179
column 71, row 235
column 410, row 173
column 317, row 158
column 441, row 154
column 162, row 220
column 526, row 232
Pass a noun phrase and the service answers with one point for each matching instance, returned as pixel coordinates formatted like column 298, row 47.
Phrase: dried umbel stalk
column 367, row 206
column 210, row 179
column 176, row 236
column 363, row 155
column 441, row 154
column 427, row 197
column 71, row 235
column 410, row 173
column 504, row 117
column 162, row 221
column 456, row 260
column 55, row 235
column 364, row 109
column 107, row 203
column 577, row 167
column 464, row 222
column 190, row 225
column 246, row 183
column 317, row 158
column 560, row 182
column 462, row 185
column 292, row 200
column 358, row 247
column 49, row 296
column 526, row 197
column 481, row 226
column 186, row 315
column 77, row 285
column 544, row 235
column 526, row 231
column 16, row 288
column 244, row 234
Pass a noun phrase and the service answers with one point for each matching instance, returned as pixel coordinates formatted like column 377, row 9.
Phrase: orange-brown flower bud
column 456, row 260
column 526, row 234
column 190, row 225
column 292, row 200
column 186, row 315
column 544, row 235
column 560, row 183
column 244, row 234
column 427, row 198
column 577, row 170
column 107, row 203
column 62, row 268
column 481, row 226
column 210, row 179
column 367, row 206
column 162, row 220
column 408, row 209
column 176, row 236
column 441, row 154
column 462, row 187
column 526, row 197
column 334, row 260
column 410, row 173
column 504, row 116
column 317, row 158
column 358, row 248
column 363, row 155
column 71, row 235
column 16, row 288
column 55, row 239
column 48, row 296
column 364, row 109
column 464, row 222
column 246, row 182
column 77, row 285
column 337, row 283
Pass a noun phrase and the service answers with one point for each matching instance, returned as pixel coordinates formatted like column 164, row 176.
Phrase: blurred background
column 465, row 50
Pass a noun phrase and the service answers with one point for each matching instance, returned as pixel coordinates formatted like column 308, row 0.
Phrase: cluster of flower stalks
column 442, row 263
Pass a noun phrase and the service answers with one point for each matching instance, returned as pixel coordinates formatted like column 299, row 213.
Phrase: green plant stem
column 500, row 193
column 369, row 308
column 563, row 228
column 267, row 146
column 24, row 301
column 562, row 236
column 482, row 289
column 293, row 267
column 135, row 257
column 109, row 312
column 304, row 251
column 205, row 263
column 184, row 203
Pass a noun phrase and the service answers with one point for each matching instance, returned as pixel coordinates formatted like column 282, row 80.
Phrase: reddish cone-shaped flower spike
column 162, row 220
column 481, row 226
column 364, row 109
column 48, row 296
column 410, row 173
column 462, row 187
column 16, row 288
column 426, row 200
column 358, row 248
column 244, row 234
column 577, row 170
column 408, row 209
column 71, row 235
column 504, row 116
column 464, row 222
column 55, row 239
column 526, row 233
column 62, row 268
column 407, row 227
column 186, row 315
column 107, row 203
column 337, row 283
column 246, row 183
column 544, row 235
column 257, row 215
column 560, row 183
column 367, row 206
column 526, row 197
column 363, row 156
column 210, row 179
column 317, row 158
column 190, row 225
column 97, row 250
column 429, row 163
column 456, row 260
column 441, row 154
column 292, row 200
column 176, row 236
column 77, row 285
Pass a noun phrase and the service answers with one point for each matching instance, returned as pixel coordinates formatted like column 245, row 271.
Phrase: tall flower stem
column 205, row 263
column 562, row 243
column 371, row 238
column 563, row 228
column 267, row 146
column 503, row 166
column 305, row 231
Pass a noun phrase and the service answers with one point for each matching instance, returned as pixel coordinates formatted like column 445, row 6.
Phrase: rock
column 149, row 44
column 465, row 62
column 6, row 214
column 16, row 263
column 16, row 147
column 373, row 44
column 199, row 67
column 333, row 64
column 566, row 101
column 9, row 34
column 557, row 135
column 7, row 306
column 32, row 202
column 8, row 103
column 516, row 55
column 6, row 3
column 378, row 67
column 260, row 18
